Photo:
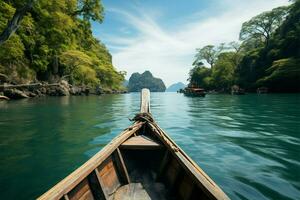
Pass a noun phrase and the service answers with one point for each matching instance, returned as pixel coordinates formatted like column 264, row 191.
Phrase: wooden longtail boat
column 194, row 92
column 142, row 163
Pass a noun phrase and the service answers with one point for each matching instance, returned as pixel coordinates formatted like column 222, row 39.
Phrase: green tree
column 208, row 53
column 258, row 64
column 284, row 75
column 200, row 76
column 54, row 39
column 263, row 25
column 79, row 67
column 90, row 10
column 223, row 74
column 14, row 23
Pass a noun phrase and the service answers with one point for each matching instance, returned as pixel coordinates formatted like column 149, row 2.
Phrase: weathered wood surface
column 82, row 191
column 109, row 179
column 140, row 142
column 67, row 184
column 124, row 168
column 145, row 101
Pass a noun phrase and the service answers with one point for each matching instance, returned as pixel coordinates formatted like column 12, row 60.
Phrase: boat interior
column 141, row 168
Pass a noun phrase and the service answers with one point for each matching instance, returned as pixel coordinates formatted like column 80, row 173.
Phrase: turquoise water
column 250, row 145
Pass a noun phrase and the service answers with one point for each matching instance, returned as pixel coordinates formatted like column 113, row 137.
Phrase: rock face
column 15, row 94
column 62, row 89
column 175, row 87
column 145, row 80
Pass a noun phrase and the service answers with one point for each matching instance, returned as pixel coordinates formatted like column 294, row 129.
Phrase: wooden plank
column 87, row 196
column 101, row 183
column 140, row 142
column 145, row 101
column 66, row 197
column 79, row 174
column 81, row 191
column 108, row 176
column 123, row 165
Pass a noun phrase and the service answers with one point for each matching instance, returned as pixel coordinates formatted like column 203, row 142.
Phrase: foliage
column 223, row 74
column 145, row 80
column 54, row 41
column 263, row 25
column 208, row 53
column 90, row 10
column 268, row 56
column 221, row 77
column 284, row 74
column 200, row 76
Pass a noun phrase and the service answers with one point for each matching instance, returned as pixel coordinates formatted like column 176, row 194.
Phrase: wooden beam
column 140, row 142
column 66, row 197
column 101, row 183
column 145, row 101
column 123, row 165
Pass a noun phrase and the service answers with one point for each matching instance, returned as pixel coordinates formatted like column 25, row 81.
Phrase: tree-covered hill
column 54, row 41
column 145, row 80
column 267, row 55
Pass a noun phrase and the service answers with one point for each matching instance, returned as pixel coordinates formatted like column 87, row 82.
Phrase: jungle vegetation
column 50, row 40
column 268, row 55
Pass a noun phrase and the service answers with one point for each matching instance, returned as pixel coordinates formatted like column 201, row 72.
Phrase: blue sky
column 162, row 35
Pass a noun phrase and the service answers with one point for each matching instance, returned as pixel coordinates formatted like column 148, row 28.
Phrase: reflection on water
column 248, row 144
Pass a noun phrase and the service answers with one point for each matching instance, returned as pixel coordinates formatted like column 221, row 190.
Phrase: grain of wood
column 140, row 142
column 145, row 101
column 123, row 165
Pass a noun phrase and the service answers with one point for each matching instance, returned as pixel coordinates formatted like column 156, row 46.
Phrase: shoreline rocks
column 63, row 88
column 15, row 94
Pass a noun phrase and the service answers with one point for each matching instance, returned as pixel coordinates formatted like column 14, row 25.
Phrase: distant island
column 139, row 81
column 175, row 87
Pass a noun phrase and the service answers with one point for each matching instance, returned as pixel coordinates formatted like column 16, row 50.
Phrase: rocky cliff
column 139, row 81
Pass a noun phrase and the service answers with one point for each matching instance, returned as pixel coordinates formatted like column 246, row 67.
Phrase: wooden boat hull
column 141, row 163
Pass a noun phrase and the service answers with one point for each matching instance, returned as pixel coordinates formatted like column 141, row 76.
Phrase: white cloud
column 168, row 54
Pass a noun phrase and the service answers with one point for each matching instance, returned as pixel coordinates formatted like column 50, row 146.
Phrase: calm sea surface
column 250, row 145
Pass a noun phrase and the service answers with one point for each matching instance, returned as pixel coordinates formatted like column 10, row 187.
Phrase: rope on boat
column 147, row 118
column 143, row 117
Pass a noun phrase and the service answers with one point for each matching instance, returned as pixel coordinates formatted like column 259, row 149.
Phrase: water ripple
column 248, row 144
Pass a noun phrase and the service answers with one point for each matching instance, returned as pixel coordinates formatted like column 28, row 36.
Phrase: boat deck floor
column 136, row 191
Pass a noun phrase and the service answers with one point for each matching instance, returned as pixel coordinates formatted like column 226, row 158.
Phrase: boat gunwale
column 68, row 183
